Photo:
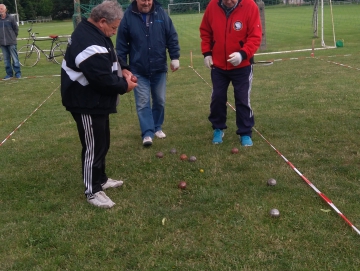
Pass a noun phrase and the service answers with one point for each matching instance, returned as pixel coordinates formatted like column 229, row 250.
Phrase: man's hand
column 126, row 73
column 235, row 59
column 174, row 65
column 208, row 62
column 131, row 84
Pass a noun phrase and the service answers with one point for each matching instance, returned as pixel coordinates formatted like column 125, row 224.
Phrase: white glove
column 174, row 65
column 235, row 59
column 208, row 62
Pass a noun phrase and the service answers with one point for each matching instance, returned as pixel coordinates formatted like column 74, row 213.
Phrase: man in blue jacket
column 91, row 80
column 144, row 35
column 8, row 33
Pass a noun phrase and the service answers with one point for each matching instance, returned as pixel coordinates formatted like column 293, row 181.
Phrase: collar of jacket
column 6, row 15
column 84, row 20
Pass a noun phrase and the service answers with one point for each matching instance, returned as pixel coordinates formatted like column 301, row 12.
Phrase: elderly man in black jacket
column 91, row 80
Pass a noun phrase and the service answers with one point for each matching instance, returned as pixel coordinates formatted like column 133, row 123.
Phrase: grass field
column 308, row 108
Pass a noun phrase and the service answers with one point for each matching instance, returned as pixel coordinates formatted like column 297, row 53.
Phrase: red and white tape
column 27, row 118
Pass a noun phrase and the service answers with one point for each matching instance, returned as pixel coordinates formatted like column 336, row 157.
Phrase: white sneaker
column 100, row 199
column 147, row 141
column 160, row 134
column 110, row 183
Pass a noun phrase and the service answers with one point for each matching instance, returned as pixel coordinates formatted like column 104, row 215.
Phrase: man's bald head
column 2, row 10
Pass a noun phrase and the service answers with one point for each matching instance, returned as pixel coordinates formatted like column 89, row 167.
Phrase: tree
column 29, row 7
column 44, row 8
column 10, row 5
column 62, row 9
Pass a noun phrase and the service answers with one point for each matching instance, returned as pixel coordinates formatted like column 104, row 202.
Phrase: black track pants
column 241, row 80
column 94, row 133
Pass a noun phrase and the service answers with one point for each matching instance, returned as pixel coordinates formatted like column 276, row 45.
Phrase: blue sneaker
column 218, row 135
column 7, row 77
column 18, row 76
column 246, row 141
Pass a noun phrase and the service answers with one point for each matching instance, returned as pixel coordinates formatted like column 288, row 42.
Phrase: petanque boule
column 134, row 78
column 234, row 150
column 274, row 213
column 159, row 154
column 271, row 182
column 173, row 151
column 192, row 159
column 183, row 157
column 182, row 185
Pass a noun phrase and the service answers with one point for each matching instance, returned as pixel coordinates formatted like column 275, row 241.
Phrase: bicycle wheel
column 58, row 52
column 29, row 55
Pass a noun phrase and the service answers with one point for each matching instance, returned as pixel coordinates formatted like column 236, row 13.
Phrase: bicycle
column 29, row 54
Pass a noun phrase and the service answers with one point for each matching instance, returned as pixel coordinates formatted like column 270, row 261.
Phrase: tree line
column 64, row 9
column 31, row 9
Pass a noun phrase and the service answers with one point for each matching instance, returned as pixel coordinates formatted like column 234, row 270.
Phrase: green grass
column 308, row 108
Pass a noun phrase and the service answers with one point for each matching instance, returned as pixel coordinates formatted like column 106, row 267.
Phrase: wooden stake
column 312, row 48
column 191, row 61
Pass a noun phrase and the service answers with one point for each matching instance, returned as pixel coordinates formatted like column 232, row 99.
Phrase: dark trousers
column 94, row 134
column 241, row 80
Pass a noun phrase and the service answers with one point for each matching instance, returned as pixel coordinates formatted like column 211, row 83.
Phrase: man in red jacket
column 230, row 34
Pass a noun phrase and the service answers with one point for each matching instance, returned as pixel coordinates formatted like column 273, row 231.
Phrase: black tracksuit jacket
column 89, row 80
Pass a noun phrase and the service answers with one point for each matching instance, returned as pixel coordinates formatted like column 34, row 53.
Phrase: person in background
column 230, row 34
column 145, row 33
column 91, row 80
column 8, row 32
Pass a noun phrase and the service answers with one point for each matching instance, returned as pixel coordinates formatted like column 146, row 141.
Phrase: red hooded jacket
column 240, row 32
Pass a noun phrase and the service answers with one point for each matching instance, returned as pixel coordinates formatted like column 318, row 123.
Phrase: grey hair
column 109, row 10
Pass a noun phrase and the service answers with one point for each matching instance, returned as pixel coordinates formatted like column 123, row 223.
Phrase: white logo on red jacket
column 238, row 26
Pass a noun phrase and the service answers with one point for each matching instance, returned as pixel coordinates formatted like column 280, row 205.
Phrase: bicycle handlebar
column 33, row 34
